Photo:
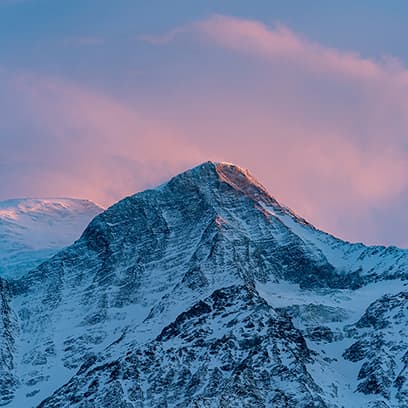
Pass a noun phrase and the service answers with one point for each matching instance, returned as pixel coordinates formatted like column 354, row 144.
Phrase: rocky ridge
column 206, row 292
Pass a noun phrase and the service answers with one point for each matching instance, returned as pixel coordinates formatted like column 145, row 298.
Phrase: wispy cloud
column 167, row 37
column 257, row 39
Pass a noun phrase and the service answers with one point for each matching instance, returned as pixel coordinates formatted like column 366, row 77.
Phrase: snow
column 32, row 230
column 340, row 374
column 343, row 255
column 152, row 256
column 354, row 302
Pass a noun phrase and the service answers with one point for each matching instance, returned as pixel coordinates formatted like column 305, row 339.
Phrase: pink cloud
column 105, row 149
column 257, row 39
column 323, row 129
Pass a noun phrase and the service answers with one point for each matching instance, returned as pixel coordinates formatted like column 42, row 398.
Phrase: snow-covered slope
column 32, row 230
column 206, row 292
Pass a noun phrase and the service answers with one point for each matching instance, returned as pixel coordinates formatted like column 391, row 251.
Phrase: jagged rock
column 206, row 292
column 383, row 348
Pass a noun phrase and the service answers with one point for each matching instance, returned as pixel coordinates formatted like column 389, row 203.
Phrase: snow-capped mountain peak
column 206, row 292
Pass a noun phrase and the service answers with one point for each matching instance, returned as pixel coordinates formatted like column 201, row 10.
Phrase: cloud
column 376, row 92
column 256, row 39
column 324, row 129
column 84, row 143
column 165, row 38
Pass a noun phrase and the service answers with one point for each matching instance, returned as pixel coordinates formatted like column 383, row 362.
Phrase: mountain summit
column 235, row 176
column 206, row 292
column 215, row 173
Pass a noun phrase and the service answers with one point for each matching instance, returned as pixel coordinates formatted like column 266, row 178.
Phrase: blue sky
column 32, row 31
column 104, row 98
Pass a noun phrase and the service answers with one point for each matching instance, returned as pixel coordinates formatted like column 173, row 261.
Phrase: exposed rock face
column 230, row 349
column 205, row 292
column 382, row 348
column 8, row 331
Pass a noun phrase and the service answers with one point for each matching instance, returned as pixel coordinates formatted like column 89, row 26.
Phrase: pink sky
column 324, row 129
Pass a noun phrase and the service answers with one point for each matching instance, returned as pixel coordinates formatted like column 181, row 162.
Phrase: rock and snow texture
column 206, row 292
column 32, row 230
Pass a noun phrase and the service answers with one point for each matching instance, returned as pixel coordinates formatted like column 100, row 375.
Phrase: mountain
column 32, row 230
column 206, row 292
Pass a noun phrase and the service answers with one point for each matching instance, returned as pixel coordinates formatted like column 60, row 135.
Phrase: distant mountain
column 206, row 292
column 32, row 230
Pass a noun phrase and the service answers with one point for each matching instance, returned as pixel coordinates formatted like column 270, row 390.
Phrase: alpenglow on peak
column 212, row 173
